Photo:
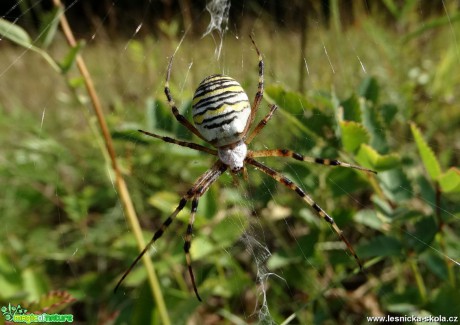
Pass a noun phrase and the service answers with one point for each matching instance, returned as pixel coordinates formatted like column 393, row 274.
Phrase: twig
column 119, row 181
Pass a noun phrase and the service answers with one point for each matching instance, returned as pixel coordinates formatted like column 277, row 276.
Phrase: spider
column 223, row 117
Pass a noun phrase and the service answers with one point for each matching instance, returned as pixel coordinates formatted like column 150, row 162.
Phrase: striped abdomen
column 220, row 110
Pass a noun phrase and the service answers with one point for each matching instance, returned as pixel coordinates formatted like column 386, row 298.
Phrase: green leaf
column 380, row 246
column 34, row 282
column 351, row 109
column 10, row 280
column 429, row 159
column 295, row 109
column 159, row 116
column 450, row 180
column 373, row 123
column 436, row 264
column 202, row 246
column 445, row 301
column 369, row 89
column 19, row 36
column 369, row 218
column 71, row 56
column 290, row 101
column 388, row 112
column 49, row 24
column 353, row 135
column 370, row 158
column 422, row 236
column 166, row 202
column 208, row 206
column 15, row 33
column 395, row 185
column 344, row 181
column 230, row 229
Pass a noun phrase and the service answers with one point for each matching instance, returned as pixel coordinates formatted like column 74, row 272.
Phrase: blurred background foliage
column 374, row 83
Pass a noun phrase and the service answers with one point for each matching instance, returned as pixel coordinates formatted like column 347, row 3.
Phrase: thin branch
column 119, row 181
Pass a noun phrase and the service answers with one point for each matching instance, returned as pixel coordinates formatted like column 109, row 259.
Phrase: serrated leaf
column 353, row 135
column 450, row 180
column 52, row 302
column 370, row 158
column 15, row 33
column 429, row 159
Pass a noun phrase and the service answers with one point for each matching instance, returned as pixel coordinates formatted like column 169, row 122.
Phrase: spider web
column 219, row 11
column 253, row 238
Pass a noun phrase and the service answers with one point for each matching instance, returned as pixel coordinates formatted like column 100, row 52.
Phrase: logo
column 17, row 314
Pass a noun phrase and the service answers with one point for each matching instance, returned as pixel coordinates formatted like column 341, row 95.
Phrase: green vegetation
column 382, row 94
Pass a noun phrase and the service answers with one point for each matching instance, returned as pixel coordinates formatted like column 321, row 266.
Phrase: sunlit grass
column 61, row 211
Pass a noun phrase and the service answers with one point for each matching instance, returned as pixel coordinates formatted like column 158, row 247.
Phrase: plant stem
column 418, row 279
column 440, row 236
column 119, row 181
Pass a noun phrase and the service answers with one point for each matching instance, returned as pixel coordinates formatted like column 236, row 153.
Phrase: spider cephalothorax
column 223, row 117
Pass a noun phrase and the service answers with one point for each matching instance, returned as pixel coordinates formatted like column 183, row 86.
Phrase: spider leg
column 297, row 156
column 261, row 124
column 260, row 89
column 289, row 184
column 188, row 244
column 190, row 145
column 180, row 118
column 200, row 186
column 157, row 235
column 197, row 192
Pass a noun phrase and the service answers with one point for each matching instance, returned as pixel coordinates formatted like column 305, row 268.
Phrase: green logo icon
column 10, row 311
column 17, row 314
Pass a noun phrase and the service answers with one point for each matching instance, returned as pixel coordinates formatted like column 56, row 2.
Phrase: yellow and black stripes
column 220, row 110
column 289, row 184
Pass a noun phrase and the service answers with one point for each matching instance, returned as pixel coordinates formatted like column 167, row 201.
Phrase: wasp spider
column 223, row 117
